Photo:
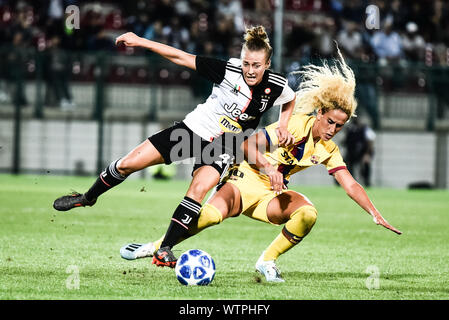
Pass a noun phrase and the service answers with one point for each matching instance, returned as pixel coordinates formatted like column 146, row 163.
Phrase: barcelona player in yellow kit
column 262, row 196
column 257, row 186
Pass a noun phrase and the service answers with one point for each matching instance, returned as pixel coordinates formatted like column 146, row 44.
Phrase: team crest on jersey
column 315, row 159
column 229, row 125
column 264, row 103
column 236, row 89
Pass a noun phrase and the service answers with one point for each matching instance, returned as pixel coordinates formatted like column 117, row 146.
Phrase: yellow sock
column 157, row 243
column 300, row 223
column 209, row 216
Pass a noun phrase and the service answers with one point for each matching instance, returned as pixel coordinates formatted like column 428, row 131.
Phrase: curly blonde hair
column 327, row 88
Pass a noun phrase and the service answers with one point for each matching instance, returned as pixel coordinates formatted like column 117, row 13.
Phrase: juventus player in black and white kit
column 243, row 90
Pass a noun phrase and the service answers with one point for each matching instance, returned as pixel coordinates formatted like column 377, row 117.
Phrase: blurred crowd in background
column 404, row 31
column 401, row 37
column 399, row 51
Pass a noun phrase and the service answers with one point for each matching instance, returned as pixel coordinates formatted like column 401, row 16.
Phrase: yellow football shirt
column 304, row 153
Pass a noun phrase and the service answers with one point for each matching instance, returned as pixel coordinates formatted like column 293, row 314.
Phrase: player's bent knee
column 210, row 215
column 199, row 189
column 125, row 167
column 301, row 221
column 308, row 215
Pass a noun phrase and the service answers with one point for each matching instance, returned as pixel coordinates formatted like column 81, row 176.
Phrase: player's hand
column 378, row 219
column 129, row 39
column 276, row 180
column 285, row 137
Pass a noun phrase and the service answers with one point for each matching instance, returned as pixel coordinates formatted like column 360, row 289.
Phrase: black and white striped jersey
column 233, row 106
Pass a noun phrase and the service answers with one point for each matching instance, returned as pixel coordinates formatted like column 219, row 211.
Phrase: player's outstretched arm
column 174, row 55
column 356, row 192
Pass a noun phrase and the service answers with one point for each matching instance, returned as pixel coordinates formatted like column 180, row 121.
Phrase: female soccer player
column 243, row 90
column 248, row 188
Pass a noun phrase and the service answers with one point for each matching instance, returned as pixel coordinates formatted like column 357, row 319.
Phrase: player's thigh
column 204, row 179
column 142, row 156
column 282, row 206
column 227, row 200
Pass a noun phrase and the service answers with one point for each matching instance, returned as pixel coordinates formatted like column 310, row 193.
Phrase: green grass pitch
column 47, row 254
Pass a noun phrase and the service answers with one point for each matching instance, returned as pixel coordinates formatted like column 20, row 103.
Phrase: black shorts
column 178, row 143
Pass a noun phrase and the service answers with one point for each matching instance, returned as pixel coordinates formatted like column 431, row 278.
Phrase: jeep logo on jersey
column 235, row 112
column 229, row 125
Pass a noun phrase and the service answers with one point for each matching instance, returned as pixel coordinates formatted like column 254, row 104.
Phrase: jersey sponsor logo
column 234, row 174
column 236, row 112
column 287, row 157
column 229, row 125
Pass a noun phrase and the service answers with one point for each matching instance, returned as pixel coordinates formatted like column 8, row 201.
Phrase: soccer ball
column 195, row 268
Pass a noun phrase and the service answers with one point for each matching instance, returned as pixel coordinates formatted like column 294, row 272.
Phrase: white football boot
column 135, row 251
column 268, row 269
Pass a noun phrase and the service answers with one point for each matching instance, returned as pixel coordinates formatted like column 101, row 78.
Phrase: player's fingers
column 273, row 183
column 291, row 140
column 395, row 230
column 276, row 184
column 281, row 137
column 390, row 227
column 281, row 141
column 118, row 41
column 120, row 38
column 278, row 189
